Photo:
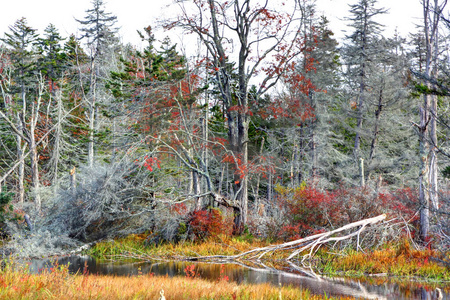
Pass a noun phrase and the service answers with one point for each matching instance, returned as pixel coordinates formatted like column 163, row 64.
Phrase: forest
column 270, row 127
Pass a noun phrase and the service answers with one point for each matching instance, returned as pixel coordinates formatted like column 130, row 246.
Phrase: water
column 242, row 274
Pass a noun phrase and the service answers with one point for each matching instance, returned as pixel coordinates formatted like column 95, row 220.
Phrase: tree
column 153, row 93
column 267, row 38
column 99, row 31
column 363, row 44
column 29, row 88
column 427, row 128
column 54, row 63
column 312, row 85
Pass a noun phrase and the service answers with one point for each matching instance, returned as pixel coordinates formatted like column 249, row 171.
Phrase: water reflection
column 241, row 274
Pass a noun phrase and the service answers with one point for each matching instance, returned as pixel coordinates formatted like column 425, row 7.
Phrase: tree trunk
column 362, row 89
column 20, row 158
column 196, row 190
column 424, row 197
column 58, row 136
column 92, row 107
column 377, row 122
column 35, row 169
column 361, row 172
column 428, row 178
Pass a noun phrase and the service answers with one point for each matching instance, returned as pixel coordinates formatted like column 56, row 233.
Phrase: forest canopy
column 272, row 127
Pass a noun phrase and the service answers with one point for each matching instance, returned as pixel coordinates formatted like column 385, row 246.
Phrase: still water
column 242, row 274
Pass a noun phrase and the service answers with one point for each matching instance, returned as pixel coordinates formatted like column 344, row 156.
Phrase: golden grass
column 59, row 284
column 393, row 260
column 221, row 245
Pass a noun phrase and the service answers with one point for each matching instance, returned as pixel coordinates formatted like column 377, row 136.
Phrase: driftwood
column 311, row 243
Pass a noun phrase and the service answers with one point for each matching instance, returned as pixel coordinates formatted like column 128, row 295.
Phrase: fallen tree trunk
column 311, row 243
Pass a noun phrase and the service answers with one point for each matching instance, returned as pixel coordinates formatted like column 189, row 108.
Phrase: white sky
column 136, row 14
column 402, row 15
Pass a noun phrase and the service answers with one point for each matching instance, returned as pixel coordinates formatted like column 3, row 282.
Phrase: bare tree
column 428, row 176
column 243, row 39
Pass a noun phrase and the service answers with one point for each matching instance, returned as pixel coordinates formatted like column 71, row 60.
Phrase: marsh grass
column 399, row 260
column 57, row 283
column 135, row 244
column 394, row 259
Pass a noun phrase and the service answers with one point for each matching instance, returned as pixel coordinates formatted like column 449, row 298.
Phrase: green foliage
column 5, row 206
column 446, row 172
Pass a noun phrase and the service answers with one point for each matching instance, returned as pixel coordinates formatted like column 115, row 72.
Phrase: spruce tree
column 26, row 92
column 98, row 31
column 358, row 51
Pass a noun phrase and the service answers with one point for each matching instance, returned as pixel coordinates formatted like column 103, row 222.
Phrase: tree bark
column 424, row 198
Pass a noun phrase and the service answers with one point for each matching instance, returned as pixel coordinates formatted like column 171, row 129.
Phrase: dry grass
column 59, row 284
column 394, row 260
column 134, row 244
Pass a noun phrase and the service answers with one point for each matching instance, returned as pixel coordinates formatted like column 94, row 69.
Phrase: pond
column 377, row 289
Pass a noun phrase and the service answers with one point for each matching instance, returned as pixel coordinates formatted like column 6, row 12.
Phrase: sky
column 403, row 15
column 136, row 14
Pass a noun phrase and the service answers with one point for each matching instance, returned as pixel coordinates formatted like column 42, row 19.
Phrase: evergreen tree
column 98, row 29
column 26, row 94
column 357, row 52
column 53, row 60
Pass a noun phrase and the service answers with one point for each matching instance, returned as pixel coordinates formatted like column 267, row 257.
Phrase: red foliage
column 204, row 223
column 179, row 208
column 309, row 211
column 190, row 271
column 150, row 162
column 401, row 202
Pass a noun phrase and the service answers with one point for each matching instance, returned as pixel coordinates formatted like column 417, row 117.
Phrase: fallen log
column 312, row 242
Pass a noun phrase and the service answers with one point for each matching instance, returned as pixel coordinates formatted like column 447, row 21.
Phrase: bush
column 302, row 211
column 209, row 223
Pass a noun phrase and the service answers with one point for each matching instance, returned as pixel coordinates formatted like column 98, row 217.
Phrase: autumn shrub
column 208, row 223
column 304, row 210
column 362, row 202
column 401, row 202
column 309, row 211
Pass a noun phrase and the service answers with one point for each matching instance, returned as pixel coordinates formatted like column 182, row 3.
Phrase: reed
column 394, row 259
column 17, row 283
column 135, row 244
column 399, row 260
